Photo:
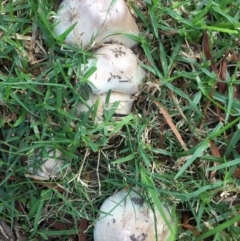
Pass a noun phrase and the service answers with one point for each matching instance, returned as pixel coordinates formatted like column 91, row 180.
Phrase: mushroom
column 123, row 108
column 117, row 71
column 99, row 21
column 46, row 168
column 126, row 216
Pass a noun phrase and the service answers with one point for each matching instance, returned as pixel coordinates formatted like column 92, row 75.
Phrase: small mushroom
column 46, row 168
column 117, row 71
column 99, row 21
column 125, row 216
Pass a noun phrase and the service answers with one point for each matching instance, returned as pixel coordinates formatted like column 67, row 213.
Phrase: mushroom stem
column 125, row 102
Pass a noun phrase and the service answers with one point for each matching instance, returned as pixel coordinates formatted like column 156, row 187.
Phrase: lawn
column 180, row 143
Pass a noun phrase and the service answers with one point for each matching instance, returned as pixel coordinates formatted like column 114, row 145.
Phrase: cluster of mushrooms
column 105, row 25
column 109, row 25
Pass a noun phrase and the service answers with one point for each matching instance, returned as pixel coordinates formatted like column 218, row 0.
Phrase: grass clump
column 181, row 142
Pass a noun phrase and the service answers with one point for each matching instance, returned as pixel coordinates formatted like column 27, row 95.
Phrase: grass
column 180, row 143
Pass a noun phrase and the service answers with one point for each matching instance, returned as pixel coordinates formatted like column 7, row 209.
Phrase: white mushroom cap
column 46, row 168
column 117, row 70
column 126, row 217
column 123, row 108
column 102, row 19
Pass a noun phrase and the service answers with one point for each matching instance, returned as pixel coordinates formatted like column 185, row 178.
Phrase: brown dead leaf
column 234, row 56
column 223, row 86
column 206, row 47
column 83, row 227
column 236, row 173
column 207, row 52
column 192, row 229
column 169, row 121
column 220, row 76
column 185, row 224
column 215, row 152
column 60, row 225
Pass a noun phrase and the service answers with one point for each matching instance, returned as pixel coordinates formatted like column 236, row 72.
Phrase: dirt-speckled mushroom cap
column 118, row 70
column 97, row 20
column 126, row 217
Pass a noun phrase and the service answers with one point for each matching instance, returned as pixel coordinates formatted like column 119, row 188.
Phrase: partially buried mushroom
column 96, row 21
column 118, row 71
column 125, row 216
column 45, row 168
